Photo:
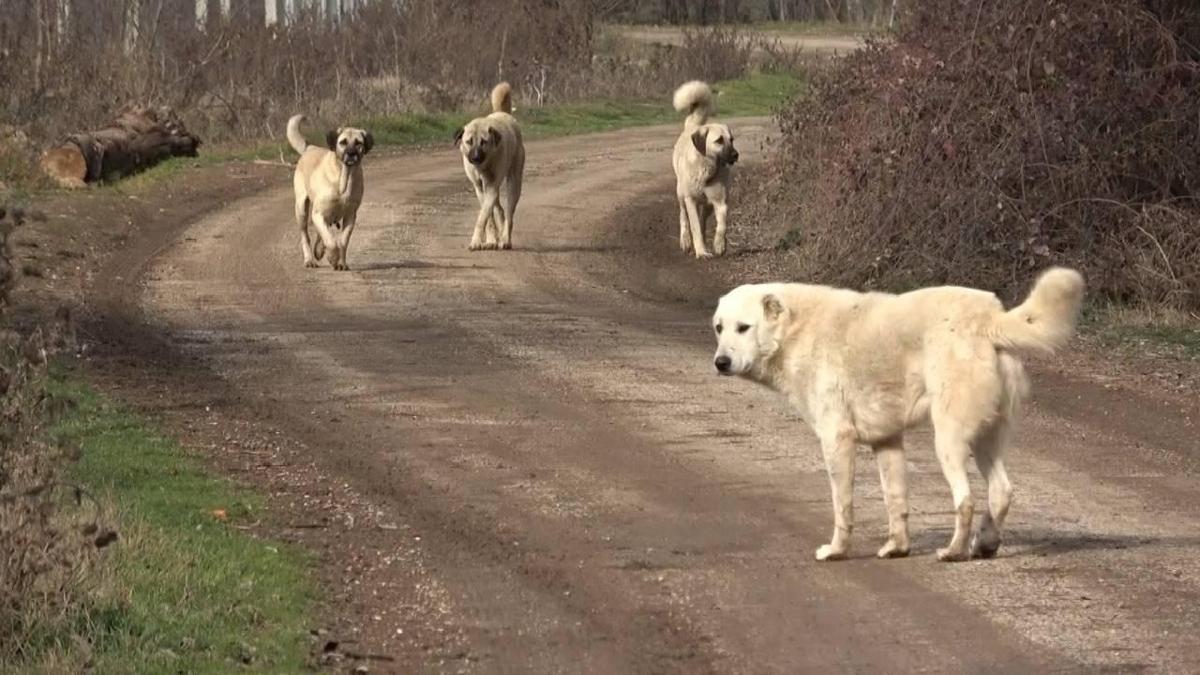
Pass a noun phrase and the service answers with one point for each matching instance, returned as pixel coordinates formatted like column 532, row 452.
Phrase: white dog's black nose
column 723, row 363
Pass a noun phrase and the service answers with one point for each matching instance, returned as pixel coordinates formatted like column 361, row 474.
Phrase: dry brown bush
column 988, row 140
column 46, row 543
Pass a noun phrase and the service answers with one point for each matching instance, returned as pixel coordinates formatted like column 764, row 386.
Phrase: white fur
column 861, row 368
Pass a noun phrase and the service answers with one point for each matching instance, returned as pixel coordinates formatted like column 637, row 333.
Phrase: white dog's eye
column 342, row 142
column 717, row 328
column 719, row 141
column 742, row 328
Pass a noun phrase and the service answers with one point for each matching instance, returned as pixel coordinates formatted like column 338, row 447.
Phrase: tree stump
column 140, row 137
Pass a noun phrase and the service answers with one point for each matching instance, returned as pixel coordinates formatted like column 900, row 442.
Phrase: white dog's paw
column 341, row 267
column 828, row 552
column 703, row 255
column 310, row 263
column 952, row 555
column 719, row 247
column 892, row 550
column 475, row 246
column 506, row 246
column 685, row 244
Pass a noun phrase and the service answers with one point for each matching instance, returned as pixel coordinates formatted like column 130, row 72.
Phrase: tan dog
column 703, row 154
column 861, row 368
column 329, row 189
column 494, row 159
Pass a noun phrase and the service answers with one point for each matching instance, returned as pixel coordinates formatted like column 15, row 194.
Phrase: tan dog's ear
column 772, row 307
column 459, row 134
column 698, row 139
column 495, row 136
column 368, row 142
column 331, row 139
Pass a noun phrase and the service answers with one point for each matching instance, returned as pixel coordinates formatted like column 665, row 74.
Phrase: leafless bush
column 44, row 548
column 992, row 139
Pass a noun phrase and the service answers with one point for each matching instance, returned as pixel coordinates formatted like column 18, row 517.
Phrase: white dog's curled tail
column 696, row 99
column 1046, row 320
column 502, row 98
column 295, row 138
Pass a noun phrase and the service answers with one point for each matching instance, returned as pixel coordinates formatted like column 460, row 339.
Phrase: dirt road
column 557, row 482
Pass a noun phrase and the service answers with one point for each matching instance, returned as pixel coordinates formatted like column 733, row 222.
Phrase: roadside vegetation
column 1049, row 133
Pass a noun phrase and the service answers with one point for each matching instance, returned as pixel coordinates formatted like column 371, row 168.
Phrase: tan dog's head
column 349, row 144
column 749, row 323
column 715, row 142
column 477, row 140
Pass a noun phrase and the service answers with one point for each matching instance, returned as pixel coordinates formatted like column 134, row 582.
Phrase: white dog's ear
column 495, row 136
column 698, row 140
column 772, row 307
column 459, row 134
column 331, row 137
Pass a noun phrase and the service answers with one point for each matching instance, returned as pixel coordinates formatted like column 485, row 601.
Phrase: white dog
column 328, row 185
column 703, row 154
column 861, row 368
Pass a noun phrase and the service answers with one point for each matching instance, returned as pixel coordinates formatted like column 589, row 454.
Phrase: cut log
column 140, row 137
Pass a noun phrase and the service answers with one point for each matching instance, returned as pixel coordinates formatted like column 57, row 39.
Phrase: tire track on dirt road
column 588, row 497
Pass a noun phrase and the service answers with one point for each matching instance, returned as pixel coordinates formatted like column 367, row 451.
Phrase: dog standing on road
column 494, row 159
column 329, row 188
column 703, row 154
column 861, row 368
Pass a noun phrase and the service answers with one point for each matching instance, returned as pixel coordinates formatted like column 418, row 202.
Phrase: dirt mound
column 989, row 140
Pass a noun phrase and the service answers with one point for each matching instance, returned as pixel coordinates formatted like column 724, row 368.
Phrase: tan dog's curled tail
column 696, row 99
column 502, row 98
column 1046, row 320
column 295, row 138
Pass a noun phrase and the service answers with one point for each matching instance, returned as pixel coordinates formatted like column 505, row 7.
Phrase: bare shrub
column 988, row 140
column 47, row 544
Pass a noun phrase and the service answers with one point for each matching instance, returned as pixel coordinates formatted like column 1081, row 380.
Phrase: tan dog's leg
column 893, row 476
column 839, row 461
column 685, row 230
column 305, row 242
column 953, row 451
column 697, row 227
column 327, row 238
column 344, row 240
column 512, row 195
column 722, row 212
column 491, row 231
column 989, row 450
column 487, row 202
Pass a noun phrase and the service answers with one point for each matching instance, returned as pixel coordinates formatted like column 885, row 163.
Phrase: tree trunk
column 139, row 138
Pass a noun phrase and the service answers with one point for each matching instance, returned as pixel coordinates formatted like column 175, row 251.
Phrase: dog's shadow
column 409, row 265
column 1042, row 542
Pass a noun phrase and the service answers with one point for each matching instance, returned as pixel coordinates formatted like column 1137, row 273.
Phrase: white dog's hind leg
column 839, row 461
column 989, row 450
column 491, row 232
column 893, row 476
column 953, row 451
column 697, row 228
column 721, row 209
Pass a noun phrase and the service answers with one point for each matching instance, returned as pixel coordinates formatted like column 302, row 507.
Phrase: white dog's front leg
column 685, row 234
column 839, row 461
column 488, row 202
column 697, row 227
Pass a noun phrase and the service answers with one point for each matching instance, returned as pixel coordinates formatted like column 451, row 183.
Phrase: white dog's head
column 477, row 140
column 749, row 323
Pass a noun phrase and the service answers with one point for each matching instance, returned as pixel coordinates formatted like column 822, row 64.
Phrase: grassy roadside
column 183, row 589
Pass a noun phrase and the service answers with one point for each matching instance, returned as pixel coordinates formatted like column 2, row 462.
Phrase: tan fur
column 329, row 189
column 862, row 368
column 494, row 159
column 702, row 157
